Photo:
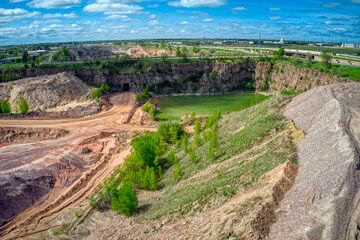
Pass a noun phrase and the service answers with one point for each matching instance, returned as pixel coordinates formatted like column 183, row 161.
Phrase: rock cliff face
column 324, row 200
column 200, row 77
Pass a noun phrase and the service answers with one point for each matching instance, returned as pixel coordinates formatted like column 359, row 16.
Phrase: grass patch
column 240, row 164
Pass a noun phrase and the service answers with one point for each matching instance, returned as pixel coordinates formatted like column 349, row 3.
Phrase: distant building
column 350, row 45
column 282, row 40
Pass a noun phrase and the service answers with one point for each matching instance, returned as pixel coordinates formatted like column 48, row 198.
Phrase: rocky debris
column 59, row 92
column 22, row 135
column 23, row 190
column 323, row 202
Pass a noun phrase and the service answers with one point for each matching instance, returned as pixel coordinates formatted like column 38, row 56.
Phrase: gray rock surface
column 323, row 202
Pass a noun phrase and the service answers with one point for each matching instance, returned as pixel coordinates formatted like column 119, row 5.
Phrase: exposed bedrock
column 323, row 202
column 199, row 77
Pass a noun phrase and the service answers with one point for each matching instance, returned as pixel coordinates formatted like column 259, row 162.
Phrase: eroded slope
column 322, row 203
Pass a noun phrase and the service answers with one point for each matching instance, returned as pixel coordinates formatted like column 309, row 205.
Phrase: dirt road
column 74, row 175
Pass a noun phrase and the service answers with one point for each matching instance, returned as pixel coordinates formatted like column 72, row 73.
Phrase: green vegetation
column 125, row 200
column 5, row 106
column 176, row 107
column 141, row 168
column 150, row 108
column 63, row 55
column 171, row 130
column 145, row 94
column 97, row 93
column 23, row 105
column 244, row 144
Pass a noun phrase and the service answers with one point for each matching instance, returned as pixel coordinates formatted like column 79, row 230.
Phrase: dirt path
column 74, row 181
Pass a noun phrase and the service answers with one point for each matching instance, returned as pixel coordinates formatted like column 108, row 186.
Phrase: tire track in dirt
column 61, row 197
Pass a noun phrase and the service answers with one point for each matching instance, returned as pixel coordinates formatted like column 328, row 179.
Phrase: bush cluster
column 145, row 94
column 141, row 168
column 97, row 93
column 150, row 108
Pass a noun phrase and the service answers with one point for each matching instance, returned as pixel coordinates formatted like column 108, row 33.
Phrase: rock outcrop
column 323, row 202
column 197, row 77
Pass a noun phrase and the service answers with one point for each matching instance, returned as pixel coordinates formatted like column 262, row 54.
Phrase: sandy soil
column 76, row 175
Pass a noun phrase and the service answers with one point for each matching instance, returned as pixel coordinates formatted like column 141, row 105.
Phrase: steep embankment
column 324, row 201
column 59, row 92
column 197, row 77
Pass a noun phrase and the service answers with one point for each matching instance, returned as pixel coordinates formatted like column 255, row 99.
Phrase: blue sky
column 41, row 21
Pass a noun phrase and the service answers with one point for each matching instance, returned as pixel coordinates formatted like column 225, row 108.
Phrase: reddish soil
column 40, row 179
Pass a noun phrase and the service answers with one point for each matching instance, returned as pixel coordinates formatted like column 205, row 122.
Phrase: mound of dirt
column 323, row 203
column 58, row 92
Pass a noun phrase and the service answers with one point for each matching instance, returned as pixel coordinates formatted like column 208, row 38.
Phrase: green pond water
column 174, row 107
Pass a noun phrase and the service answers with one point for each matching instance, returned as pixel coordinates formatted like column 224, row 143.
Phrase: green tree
column 308, row 59
column 196, row 49
column 169, row 47
column 25, row 57
column 177, row 173
column 23, row 105
column 5, row 106
column 295, row 59
column 280, row 54
column 178, row 52
column 326, row 58
column 171, row 130
column 197, row 127
column 125, row 200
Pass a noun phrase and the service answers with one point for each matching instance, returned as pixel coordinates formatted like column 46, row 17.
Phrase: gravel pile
column 322, row 204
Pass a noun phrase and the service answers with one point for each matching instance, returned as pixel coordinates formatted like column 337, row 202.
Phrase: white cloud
column 116, row 17
column 274, row 9
column 197, row 3
column 59, row 15
column 16, row 1
column 46, row 21
column 153, row 22
column 331, row 4
column 184, row 22
column 337, row 30
column 275, row 18
column 327, row 22
column 153, row 6
column 182, row 31
column 112, row 9
column 11, row 15
column 239, row 9
column 52, row 4
column 207, row 20
column 152, row 16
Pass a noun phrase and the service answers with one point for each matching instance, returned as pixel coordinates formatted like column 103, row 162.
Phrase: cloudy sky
column 40, row 21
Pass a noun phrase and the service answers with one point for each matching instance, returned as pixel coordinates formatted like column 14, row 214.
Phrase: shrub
column 213, row 118
column 192, row 157
column 172, row 158
column 145, row 94
column 125, row 200
column 145, row 149
column 197, row 127
column 86, row 150
column 23, row 105
column 149, row 107
column 171, row 130
column 5, row 106
column 96, row 94
column 144, row 178
column 177, row 173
